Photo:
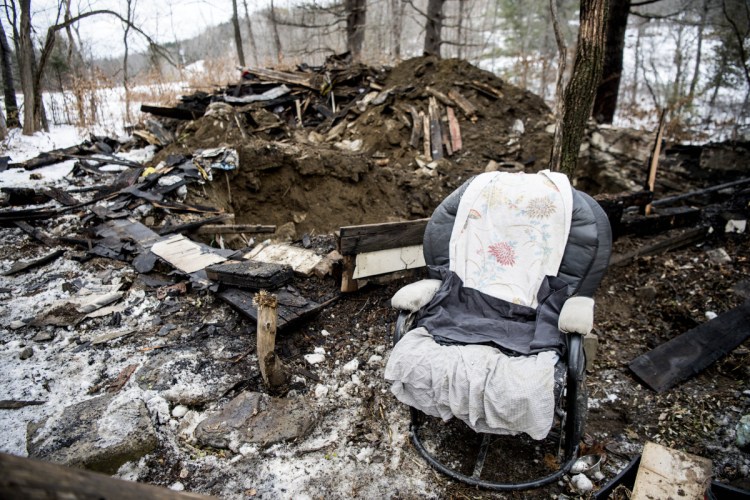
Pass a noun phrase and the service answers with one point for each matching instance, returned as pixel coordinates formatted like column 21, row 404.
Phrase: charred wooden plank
column 24, row 266
column 192, row 226
column 234, row 229
column 373, row 237
column 49, row 158
column 464, row 104
column 691, row 352
column 176, row 113
column 291, row 308
column 671, row 218
column 681, row 240
column 455, row 130
column 251, row 274
column 436, row 134
column 301, row 79
column 36, row 233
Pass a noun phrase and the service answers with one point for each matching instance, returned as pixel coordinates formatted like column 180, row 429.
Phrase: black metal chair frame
column 572, row 420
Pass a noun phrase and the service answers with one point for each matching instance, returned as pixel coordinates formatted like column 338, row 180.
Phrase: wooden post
column 348, row 283
column 272, row 369
column 655, row 158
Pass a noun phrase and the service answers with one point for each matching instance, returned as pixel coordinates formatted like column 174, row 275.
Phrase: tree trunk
column 699, row 49
column 237, row 34
column 26, row 69
column 433, row 27
column 605, row 103
column 397, row 11
column 125, row 75
column 275, row 31
column 581, row 89
column 461, row 33
column 250, row 36
column 356, row 16
column 9, row 89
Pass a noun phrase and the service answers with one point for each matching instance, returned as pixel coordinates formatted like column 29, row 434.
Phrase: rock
column 718, row 256
column 321, row 391
column 351, row 366
column 743, row 433
column 44, row 336
column 15, row 325
column 26, row 353
column 582, row 483
column 99, row 434
column 185, row 378
column 314, row 359
column 375, row 360
column 253, row 417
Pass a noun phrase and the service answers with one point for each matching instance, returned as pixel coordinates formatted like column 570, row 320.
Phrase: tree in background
column 250, row 36
column 581, row 89
column 433, row 27
column 237, row 34
column 605, row 103
column 356, row 18
column 9, row 88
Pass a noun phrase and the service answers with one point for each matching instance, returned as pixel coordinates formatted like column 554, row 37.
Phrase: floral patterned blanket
column 510, row 232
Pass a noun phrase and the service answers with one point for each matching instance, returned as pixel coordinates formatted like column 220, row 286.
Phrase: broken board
column 251, row 274
column 185, row 255
column 388, row 261
column 690, row 353
column 291, row 308
column 668, row 473
column 302, row 261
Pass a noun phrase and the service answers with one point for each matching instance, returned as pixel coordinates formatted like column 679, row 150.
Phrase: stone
column 743, row 433
column 351, row 367
column 44, row 336
column 99, row 434
column 254, row 417
column 581, row 483
column 26, row 353
column 179, row 411
column 314, row 359
column 185, row 378
column 718, row 256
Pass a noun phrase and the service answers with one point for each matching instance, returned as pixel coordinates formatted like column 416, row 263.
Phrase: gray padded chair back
column 586, row 253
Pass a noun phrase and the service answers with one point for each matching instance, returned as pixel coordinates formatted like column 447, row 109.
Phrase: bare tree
column 130, row 6
column 433, row 27
column 237, row 34
column 9, row 89
column 605, row 103
column 356, row 17
column 31, row 73
column 250, row 36
column 397, row 26
column 581, row 89
column 275, row 31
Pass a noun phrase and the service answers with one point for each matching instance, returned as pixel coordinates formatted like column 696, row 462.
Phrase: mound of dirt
column 364, row 168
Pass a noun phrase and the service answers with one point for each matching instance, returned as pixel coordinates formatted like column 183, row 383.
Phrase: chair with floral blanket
column 494, row 336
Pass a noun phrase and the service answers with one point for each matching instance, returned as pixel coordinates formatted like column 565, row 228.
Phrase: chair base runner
column 474, row 480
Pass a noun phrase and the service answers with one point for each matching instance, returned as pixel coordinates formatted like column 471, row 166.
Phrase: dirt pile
column 364, row 167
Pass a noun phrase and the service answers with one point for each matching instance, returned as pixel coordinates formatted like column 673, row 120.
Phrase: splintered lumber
column 251, row 274
column 439, row 96
column 36, row 233
column 444, row 130
column 303, row 261
column 176, row 113
column 670, row 218
column 15, row 404
column 485, row 89
column 686, row 238
column 416, row 127
column 234, row 229
column 655, row 153
column 374, row 237
column 185, row 255
column 48, row 158
column 454, row 129
column 291, row 308
column 668, row 473
column 691, row 352
column 24, row 266
column 426, row 135
column 436, row 135
column 192, row 226
column 672, row 199
column 304, row 80
column 464, row 105
column 28, row 478
column 274, row 373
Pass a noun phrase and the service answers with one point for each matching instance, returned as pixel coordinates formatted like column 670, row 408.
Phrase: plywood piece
column 303, row 261
column 388, row 261
column 667, row 473
column 373, row 237
column 185, row 255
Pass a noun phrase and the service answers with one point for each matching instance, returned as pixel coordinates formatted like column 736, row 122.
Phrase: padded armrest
column 577, row 315
column 415, row 296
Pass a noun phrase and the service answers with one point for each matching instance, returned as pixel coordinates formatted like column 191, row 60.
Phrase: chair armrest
column 577, row 315
column 415, row 296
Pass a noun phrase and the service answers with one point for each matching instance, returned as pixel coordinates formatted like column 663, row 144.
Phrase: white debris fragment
column 178, row 486
column 351, row 367
column 735, row 226
column 581, row 483
column 321, row 391
column 314, row 359
column 179, row 411
column 375, row 359
column 319, row 350
column 325, row 333
column 710, row 315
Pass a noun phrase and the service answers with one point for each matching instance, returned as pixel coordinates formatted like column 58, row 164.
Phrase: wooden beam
column 686, row 238
column 35, row 479
column 455, row 130
column 691, row 352
column 272, row 370
column 234, row 229
column 176, row 113
column 374, row 237
column 655, row 153
column 464, row 104
column 671, row 218
column 436, row 135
